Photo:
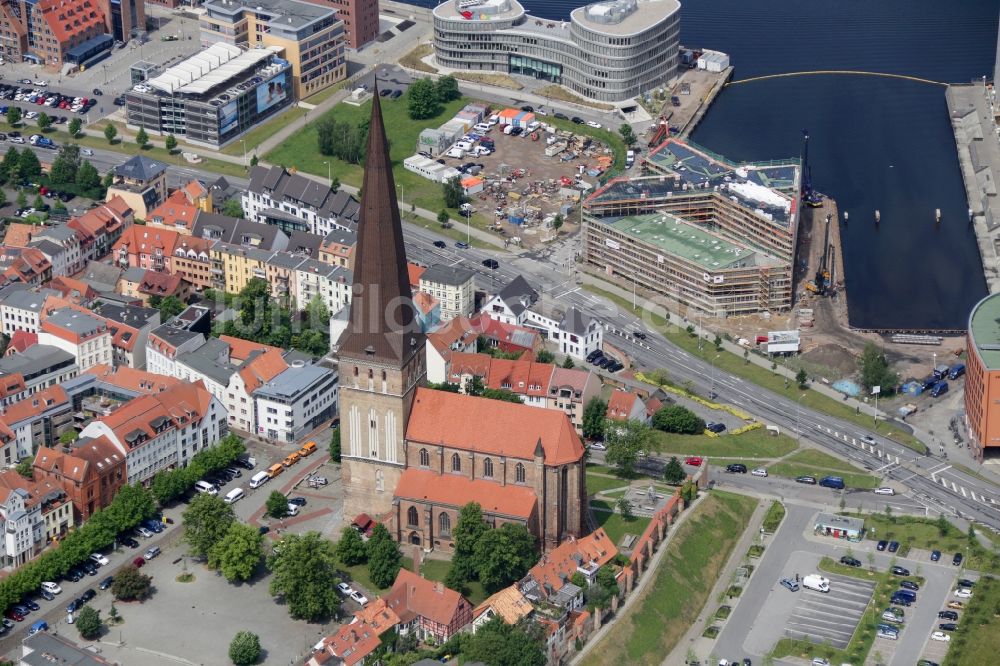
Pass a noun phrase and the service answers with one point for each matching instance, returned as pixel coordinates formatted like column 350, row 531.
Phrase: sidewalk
column 693, row 640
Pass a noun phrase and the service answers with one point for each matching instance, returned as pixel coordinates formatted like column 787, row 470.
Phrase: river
column 875, row 143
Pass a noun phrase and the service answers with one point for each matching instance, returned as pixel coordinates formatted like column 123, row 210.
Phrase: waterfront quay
column 973, row 123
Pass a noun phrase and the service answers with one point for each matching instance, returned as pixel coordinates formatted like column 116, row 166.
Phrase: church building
column 413, row 456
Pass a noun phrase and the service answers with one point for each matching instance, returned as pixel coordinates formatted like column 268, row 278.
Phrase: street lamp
column 715, row 369
column 468, row 226
column 328, row 178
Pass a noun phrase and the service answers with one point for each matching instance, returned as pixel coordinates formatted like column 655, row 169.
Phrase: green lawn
column 254, row 137
column 438, row 569
column 851, row 479
column 596, row 483
column 613, row 523
column 301, row 150
column 815, row 458
column 861, row 643
column 667, row 607
column 735, row 365
column 359, row 573
column 772, row 519
column 751, row 444
column 977, row 640
column 925, row 533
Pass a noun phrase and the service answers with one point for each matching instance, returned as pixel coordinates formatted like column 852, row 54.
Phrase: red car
column 12, row 614
column 138, row 562
column 694, row 461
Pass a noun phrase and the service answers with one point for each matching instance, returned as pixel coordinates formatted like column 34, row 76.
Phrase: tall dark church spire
column 382, row 325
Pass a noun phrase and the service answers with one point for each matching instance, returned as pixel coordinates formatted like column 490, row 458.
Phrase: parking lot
column 831, row 617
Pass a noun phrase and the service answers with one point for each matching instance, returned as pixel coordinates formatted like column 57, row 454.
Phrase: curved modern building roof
column 984, row 330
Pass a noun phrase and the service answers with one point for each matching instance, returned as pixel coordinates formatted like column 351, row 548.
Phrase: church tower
column 382, row 349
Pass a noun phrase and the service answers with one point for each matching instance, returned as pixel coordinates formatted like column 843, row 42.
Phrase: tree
column 628, row 136
column 943, row 525
column 970, row 535
column 384, row 558
column 75, row 125
column 88, row 181
column 504, row 555
column 594, row 417
column 544, row 356
column 13, row 116
column 674, row 473
column 625, row 440
column 305, row 572
column 26, row 468
column 277, row 505
column 238, row 553
column 557, row 222
column 141, row 138
column 454, row 195
column 605, row 586
column 66, row 165
column 500, row 644
column 625, row 509
column 44, row 122
column 802, row 379
column 206, row 522
column 130, row 584
column 22, row 200
column 335, row 445
column 335, row 185
column 38, row 202
column 244, row 648
column 170, row 307
column 351, row 548
column 678, row 419
column 689, row 492
column 132, row 504
column 443, row 217
column 317, row 314
column 875, row 369
column 422, row 100
column 88, row 623
column 233, row 208
column 28, row 166
column 568, row 363
column 256, row 309
column 110, row 133
column 170, row 142
column 447, row 89
column 466, row 535
column 8, row 168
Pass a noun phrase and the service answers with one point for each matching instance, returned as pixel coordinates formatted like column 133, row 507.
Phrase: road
column 935, row 484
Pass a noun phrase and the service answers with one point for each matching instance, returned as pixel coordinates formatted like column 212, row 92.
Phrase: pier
column 688, row 123
column 978, row 147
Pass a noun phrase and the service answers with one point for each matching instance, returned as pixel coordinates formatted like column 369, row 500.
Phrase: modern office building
column 982, row 376
column 610, row 51
column 123, row 18
column 213, row 97
column 711, row 234
column 310, row 36
column 360, row 19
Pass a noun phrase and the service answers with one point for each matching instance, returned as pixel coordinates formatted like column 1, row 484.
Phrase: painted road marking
column 963, row 491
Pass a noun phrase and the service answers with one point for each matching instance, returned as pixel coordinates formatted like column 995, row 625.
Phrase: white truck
column 816, row 582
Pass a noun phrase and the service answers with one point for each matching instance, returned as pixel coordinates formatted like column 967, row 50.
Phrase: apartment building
column 37, row 420
column 40, row 366
column 311, row 38
column 55, row 32
column 85, row 336
column 164, row 430
column 130, row 327
column 293, row 202
column 185, row 332
column 100, row 227
column 360, row 19
column 454, row 287
column 90, row 471
column 295, row 401
column 141, row 183
column 20, row 310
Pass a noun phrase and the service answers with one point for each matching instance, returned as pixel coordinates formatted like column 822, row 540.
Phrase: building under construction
column 702, row 230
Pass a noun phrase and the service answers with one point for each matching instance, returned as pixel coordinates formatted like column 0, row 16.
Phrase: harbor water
column 875, row 143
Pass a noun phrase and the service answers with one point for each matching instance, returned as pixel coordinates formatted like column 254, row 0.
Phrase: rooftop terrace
column 688, row 241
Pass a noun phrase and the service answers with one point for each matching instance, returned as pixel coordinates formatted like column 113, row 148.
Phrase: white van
column 234, row 495
column 507, row 129
column 464, row 145
column 482, row 128
column 456, row 153
column 206, row 487
column 293, row 509
column 816, row 582
column 259, row 479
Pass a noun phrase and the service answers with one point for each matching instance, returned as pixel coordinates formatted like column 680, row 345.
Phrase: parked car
column 957, row 605
column 89, row 567
column 144, row 532
column 106, row 583
column 597, row 446
column 947, row 626
column 885, row 491
column 715, row 427
column 909, row 585
column 74, row 605
column 893, row 546
column 595, row 125
column 492, row 264
column 151, row 553
column 297, row 501
column 49, row 586
column 759, row 471
column 935, row 555
column 440, row 244
column 30, row 604
column 736, row 468
column 75, row 574
column 963, row 593
column 850, row 561
column 130, row 542
column 948, row 615
column 88, row 595
column 940, row 636
column 881, row 545
column 900, row 571
column 810, row 480
column 694, row 461
column 99, row 560
column 577, row 119
column 965, row 582
column 45, row 594
column 957, row 559
column 358, row 597
column 139, row 562
column 345, row 589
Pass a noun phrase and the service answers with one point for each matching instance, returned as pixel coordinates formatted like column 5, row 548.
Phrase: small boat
column 937, row 215
column 878, row 216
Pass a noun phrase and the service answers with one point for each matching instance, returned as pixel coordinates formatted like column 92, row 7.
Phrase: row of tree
column 496, row 557
column 172, row 484
column 380, row 552
column 214, row 534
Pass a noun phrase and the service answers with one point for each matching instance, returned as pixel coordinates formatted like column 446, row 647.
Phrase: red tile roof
column 509, row 337
column 352, row 643
column 413, row 596
column 20, row 341
column 464, row 363
column 72, row 288
column 558, row 565
column 414, row 272
column 97, row 452
column 34, row 404
column 19, row 234
column 176, row 211
column 240, row 349
column 182, row 404
column 131, row 379
column 457, row 491
column 492, row 426
column 12, row 384
column 156, row 283
column 262, row 369
column 68, row 19
column 146, row 240
column 378, row 616
column 620, row 404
